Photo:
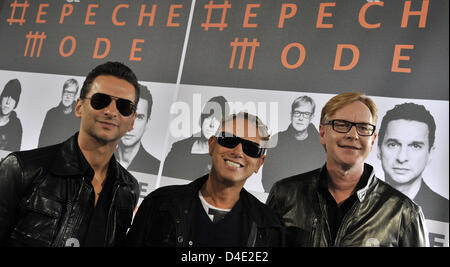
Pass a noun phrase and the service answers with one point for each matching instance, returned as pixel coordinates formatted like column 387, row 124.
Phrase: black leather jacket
column 44, row 194
column 165, row 218
column 382, row 216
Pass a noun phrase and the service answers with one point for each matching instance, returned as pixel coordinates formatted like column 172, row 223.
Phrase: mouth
column 128, row 136
column 108, row 123
column 349, row 147
column 400, row 170
column 233, row 164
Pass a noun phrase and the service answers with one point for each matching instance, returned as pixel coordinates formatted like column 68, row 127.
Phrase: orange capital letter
column 41, row 12
column 422, row 13
column 337, row 60
column 323, row 14
column 172, row 15
column 72, row 49
column 114, row 15
column 283, row 14
column 300, row 60
column 362, row 15
column 134, row 49
column 97, row 45
column 398, row 57
column 142, row 14
column 65, row 12
column 89, row 14
column 249, row 15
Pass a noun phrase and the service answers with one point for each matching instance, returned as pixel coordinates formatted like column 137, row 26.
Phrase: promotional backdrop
column 281, row 60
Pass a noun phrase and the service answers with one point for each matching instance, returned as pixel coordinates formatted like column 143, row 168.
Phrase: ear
column 211, row 143
column 322, row 134
column 78, row 108
column 431, row 155
column 147, row 124
column 260, row 163
column 132, row 121
column 374, row 137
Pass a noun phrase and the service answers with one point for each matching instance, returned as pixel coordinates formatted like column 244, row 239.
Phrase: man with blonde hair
column 343, row 203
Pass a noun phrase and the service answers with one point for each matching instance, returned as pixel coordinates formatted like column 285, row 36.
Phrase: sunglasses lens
column 125, row 107
column 228, row 142
column 99, row 101
column 251, row 149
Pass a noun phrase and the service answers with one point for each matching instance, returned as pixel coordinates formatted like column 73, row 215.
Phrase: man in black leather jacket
column 214, row 210
column 343, row 203
column 75, row 193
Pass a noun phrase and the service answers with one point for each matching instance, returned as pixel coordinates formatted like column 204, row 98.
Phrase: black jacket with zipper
column 44, row 196
column 381, row 216
column 166, row 218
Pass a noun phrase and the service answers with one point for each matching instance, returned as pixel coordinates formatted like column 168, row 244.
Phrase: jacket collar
column 364, row 189
column 66, row 161
column 371, row 183
column 250, row 205
column 69, row 161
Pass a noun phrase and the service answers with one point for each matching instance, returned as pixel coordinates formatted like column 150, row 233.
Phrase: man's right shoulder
column 297, row 181
column 169, row 192
column 38, row 157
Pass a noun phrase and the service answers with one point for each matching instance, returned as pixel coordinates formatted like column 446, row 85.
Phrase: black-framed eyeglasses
column 250, row 148
column 69, row 93
column 100, row 101
column 343, row 126
column 305, row 115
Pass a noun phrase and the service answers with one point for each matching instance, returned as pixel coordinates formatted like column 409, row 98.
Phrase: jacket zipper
column 253, row 235
column 325, row 219
column 71, row 204
column 313, row 232
column 338, row 239
column 108, row 221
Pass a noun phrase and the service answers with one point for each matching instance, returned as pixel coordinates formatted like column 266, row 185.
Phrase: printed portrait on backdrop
column 189, row 158
column 297, row 149
column 406, row 144
column 130, row 153
column 10, row 125
column 60, row 122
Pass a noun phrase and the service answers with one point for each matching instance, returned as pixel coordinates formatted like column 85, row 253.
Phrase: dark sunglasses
column 250, row 148
column 101, row 101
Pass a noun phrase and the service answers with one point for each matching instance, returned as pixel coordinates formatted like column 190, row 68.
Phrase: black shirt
column 225, row 232
column 93, row 228
column 335, row 213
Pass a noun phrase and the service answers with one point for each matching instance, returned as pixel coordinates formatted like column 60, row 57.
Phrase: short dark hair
column 116, row 69
column 146, row 95
column 12, row 89
column 410, row 112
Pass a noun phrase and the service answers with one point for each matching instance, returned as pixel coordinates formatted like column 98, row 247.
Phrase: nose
column 402, row 155
column 238, row 151
column 212, row 123
column 353, row 134
column 111, row 109
column 8, row 100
